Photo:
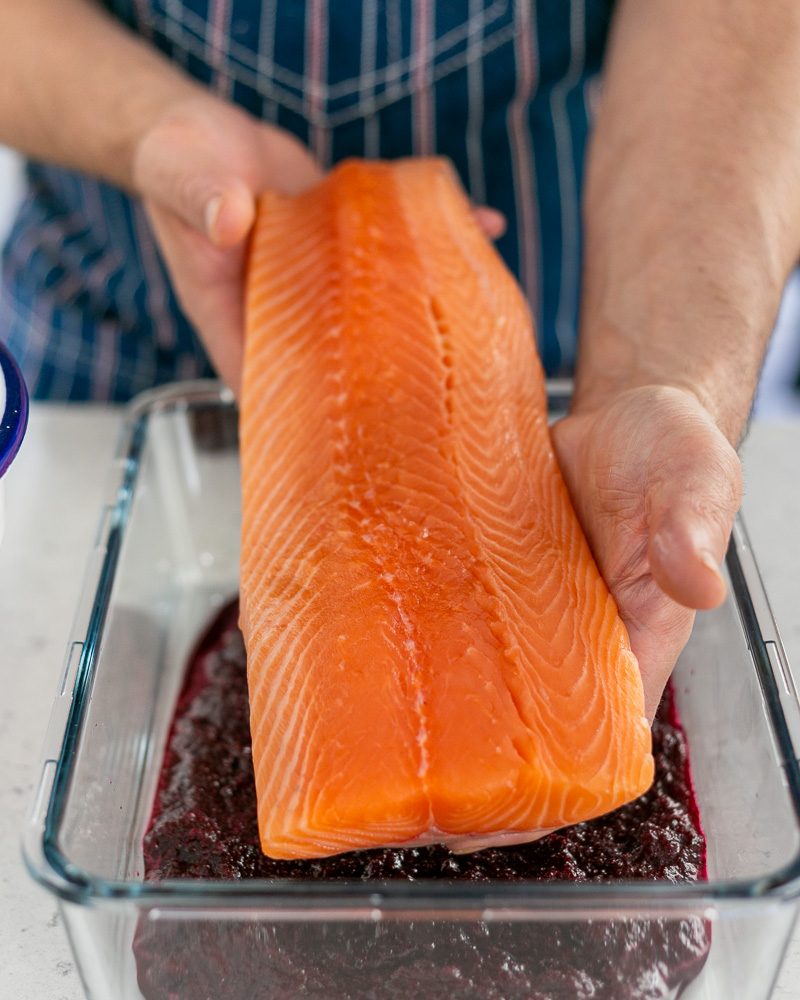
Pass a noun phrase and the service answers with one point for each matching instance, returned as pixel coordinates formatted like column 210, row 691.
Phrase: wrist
column 693, row 317
column 616, row 366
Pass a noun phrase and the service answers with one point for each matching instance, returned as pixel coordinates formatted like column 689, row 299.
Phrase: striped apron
column 504, row 88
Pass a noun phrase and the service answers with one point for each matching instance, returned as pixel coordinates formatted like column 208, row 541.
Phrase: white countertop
column 53, row 503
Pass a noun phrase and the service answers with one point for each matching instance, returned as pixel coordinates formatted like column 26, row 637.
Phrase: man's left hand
column 656, row 486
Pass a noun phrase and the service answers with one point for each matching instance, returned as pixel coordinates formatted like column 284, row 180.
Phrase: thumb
column 691, row 512
column 207, row 161
column 179, row 170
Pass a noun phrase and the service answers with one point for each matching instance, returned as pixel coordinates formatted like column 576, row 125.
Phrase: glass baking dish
column 166, row 557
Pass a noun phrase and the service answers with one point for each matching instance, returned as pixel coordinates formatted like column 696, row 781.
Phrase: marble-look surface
column 54, row 497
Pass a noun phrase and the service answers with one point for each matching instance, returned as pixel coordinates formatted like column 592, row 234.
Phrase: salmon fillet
column 433, row 655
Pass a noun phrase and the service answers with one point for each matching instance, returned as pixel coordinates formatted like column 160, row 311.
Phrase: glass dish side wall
column 252, row 953
column 178, row 560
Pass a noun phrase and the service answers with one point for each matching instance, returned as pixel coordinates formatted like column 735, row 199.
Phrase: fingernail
column 497, row 221
column 212, row 214
column 709, row 561
column 661, row 543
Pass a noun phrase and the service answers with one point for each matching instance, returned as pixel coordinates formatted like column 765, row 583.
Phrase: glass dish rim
column 50, row 867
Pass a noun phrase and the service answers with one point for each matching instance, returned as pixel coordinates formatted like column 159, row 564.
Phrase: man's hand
column 80, row 89
column 199, row 170
column 691, row 224
column 656, row 486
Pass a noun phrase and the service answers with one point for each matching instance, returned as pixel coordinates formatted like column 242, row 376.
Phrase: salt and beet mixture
column 204, row 826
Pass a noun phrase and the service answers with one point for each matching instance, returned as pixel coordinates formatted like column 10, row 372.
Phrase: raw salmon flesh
column 433, row 655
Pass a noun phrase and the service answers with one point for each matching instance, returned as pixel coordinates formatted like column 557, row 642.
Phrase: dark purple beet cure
column 204, row 827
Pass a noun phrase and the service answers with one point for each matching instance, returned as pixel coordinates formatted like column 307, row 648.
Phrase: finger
column 284, row 164
column 492, row 222
column 690, row 521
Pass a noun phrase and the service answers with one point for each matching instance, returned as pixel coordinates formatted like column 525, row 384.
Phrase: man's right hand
column 199, row 170
column 99, row 99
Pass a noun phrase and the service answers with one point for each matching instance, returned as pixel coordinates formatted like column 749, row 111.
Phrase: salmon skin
column 433, row 655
